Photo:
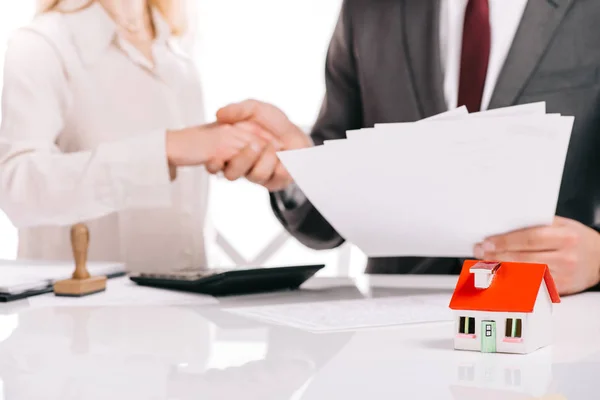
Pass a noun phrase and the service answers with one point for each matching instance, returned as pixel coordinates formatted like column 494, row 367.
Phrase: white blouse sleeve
column 40, row 185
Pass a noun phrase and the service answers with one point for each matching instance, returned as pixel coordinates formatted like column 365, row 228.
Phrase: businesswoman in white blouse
column 102, row 122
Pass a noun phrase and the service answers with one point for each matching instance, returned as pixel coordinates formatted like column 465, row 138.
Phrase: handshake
column 241, row 143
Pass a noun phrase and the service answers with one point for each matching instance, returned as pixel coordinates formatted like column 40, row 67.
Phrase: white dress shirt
column 82, row 139
column 505, row 16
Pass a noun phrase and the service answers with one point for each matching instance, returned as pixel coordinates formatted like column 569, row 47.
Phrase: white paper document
column 436, row 187
column 18, row 276
column 345, row 315
column 124, row 292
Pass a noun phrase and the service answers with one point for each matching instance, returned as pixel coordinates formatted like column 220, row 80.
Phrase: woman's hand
column 199, row 145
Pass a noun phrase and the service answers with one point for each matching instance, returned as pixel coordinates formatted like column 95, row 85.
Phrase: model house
column 503, row 307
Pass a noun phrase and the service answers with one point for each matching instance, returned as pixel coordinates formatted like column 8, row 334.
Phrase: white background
column 272, row 50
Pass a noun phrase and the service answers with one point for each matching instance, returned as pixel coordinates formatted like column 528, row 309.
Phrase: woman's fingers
column 259, row 131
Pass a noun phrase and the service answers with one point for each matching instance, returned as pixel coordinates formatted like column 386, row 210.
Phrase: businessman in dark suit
column 404, row 60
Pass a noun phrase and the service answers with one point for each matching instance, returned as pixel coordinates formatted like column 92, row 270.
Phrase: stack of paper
column 353, row 314
column 124, row 293
column 438, row 186
column 20, row 276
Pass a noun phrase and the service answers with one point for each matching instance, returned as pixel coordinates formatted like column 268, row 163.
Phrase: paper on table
column 387, row 196
column 18, row 276
column 353, row 314
column 123, row 292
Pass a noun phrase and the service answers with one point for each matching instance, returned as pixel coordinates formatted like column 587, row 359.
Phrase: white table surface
column 192, row 349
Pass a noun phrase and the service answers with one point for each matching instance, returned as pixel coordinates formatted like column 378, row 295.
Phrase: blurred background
column 279, row 59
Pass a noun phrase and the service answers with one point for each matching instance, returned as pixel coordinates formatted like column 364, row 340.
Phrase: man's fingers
column 562, row 221
column 541, row 257
column 239, row 166
column 560, row 262
column 255, row 129
column 533, row 239
column 215, row 166
column 563, row 265
column 261, row 132
column 238, row 132
column 280, row 180
column 264, row 168
column 237, row 112
column 266, row 115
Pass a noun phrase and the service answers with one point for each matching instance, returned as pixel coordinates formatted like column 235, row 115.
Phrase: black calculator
column 227, row 282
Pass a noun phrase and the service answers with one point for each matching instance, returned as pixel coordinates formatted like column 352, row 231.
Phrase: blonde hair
column 172, row 10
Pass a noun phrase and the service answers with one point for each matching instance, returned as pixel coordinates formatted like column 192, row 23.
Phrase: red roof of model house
column 514, row 287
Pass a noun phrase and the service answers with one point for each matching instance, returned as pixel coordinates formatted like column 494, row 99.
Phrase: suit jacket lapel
column 540, row 20
column 421, row 41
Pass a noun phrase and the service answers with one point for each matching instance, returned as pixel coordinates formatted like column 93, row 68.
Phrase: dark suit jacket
column 383, row 65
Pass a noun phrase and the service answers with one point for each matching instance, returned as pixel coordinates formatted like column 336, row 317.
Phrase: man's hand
column 569, row 248
column 260, row 165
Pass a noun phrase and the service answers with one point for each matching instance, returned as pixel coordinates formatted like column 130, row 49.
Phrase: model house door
column 488, row 336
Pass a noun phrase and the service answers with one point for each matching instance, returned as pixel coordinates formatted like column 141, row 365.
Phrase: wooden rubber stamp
column 81, row 283
column 172, row 172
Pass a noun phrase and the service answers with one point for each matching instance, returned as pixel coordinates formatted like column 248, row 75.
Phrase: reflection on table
column 189, row 352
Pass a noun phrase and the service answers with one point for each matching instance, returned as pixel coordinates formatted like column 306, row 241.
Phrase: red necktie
column 475, row 54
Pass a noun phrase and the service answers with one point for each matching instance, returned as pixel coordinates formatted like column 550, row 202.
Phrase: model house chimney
column 484, row 273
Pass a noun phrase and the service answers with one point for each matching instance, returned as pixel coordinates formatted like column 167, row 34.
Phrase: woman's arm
column 40, row 185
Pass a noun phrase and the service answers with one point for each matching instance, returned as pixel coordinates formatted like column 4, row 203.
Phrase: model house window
column 488, row 375
column 466, row 373
column 467, row 325
column 512, row 377
column 514, row 326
